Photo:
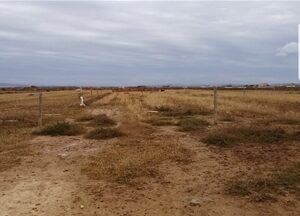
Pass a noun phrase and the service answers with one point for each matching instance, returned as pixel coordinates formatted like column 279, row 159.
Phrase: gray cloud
column 289, row 48
column 129, row 43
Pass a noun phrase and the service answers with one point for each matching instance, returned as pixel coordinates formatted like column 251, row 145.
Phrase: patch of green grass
column 104, row 133
column 61, row 129
column 192, row 124
column 263, row 189
column 103, row 120
column 226, row 137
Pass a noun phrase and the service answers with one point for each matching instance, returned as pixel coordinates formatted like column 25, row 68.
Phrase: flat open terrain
column 151, row 153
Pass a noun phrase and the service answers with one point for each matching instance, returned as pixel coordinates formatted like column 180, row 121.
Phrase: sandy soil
column 50, row 181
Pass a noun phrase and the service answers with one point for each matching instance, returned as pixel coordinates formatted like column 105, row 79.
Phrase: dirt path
column 50, row 181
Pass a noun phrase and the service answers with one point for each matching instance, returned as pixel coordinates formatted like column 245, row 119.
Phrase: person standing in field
column 82, row 101
column 81, row 97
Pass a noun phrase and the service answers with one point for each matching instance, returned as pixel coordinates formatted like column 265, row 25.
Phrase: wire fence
column 36, row 108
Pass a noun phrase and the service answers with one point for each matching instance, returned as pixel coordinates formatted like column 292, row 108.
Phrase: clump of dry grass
column 226, row 118
column 262, row 189
column 225, row 137
column 183, row 110
column 99, row 120
column 61, row 129
column 103, row 120
column 284, row 121
column 237, row 188
column 158, row 121
column 103, row 133
column 85, row 117
column 19, row 119
column 124, row 163
column 164, row 109
column 12, row 145
column 94, row 98
column 192, row 124
column 11, row 135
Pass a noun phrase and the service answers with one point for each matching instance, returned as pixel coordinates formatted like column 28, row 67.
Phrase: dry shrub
column 237, row 188
column 183, row 110
column 61, row 129
column 225, row 137
column 93, row 99
column 192, row 124
column 284, row 121
column 98, row 120
column 164, row 109
column 85, row 117
column 123, row 163
column 19, row 119
column 103, row 133
column 157, row 121
column 12, row 145
column 262, row 189
column 103, row 120
column 226, row 117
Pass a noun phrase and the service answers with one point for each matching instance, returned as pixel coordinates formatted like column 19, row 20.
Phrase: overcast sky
column 142, row 43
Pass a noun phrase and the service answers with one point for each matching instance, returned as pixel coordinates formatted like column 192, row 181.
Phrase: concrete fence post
column 215, row 104
column 40, row 114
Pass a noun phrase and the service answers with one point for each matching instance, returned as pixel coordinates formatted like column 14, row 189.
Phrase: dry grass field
column 151, row 153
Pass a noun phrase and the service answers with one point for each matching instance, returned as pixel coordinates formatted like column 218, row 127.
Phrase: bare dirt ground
column 50, row 181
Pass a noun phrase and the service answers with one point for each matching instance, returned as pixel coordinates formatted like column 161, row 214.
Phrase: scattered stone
column 153, row 111
column 81, row 206
column 11, row 120
column 69, row 120
column 62, row 155
column 195, row 202
column 140, row 188
column 199, row 201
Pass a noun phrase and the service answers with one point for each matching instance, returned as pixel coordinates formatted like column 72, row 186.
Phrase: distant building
column 263, row 85
column 292, row 85
column 228, row 86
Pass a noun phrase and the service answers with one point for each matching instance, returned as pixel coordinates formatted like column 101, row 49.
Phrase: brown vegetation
column 151, row 153
column 192, row 124
column 102, row 120
column 123, row 163
column 229, row 136
column 264, row 189
column 103, row 133
column 60, row 129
